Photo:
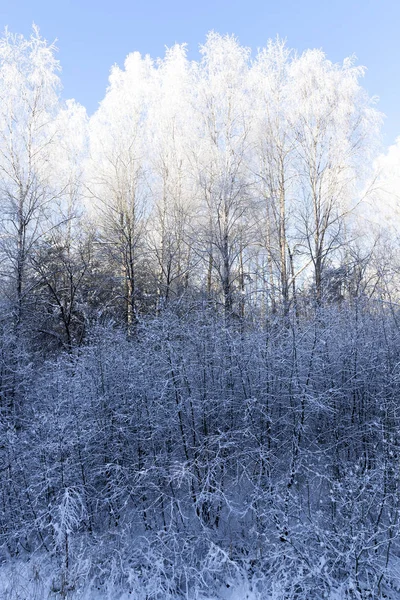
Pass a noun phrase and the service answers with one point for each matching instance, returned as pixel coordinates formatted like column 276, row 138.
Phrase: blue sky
column 94, row 34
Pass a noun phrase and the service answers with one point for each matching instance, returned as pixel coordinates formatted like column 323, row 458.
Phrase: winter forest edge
column 199, row 330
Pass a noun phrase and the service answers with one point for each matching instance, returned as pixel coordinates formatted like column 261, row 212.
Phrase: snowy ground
column 36, row 580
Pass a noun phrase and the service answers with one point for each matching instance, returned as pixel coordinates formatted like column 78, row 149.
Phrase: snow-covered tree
column 29, row 103
column 118, row 175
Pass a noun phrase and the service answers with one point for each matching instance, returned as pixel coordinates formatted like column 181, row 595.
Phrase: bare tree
column 335, row 129
column 117, row 182
column 29, row 104
column 224, row 144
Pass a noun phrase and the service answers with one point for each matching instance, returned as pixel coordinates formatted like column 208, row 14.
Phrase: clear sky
column 92, row 35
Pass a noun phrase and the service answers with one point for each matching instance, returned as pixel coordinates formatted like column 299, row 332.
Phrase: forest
column 199, row 330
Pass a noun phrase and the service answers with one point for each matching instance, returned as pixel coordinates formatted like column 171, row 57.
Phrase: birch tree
column 29, row 87
column 117, row 180
column 224, row 124
column 274, row 166
column 335, row 126
column 173, row 190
